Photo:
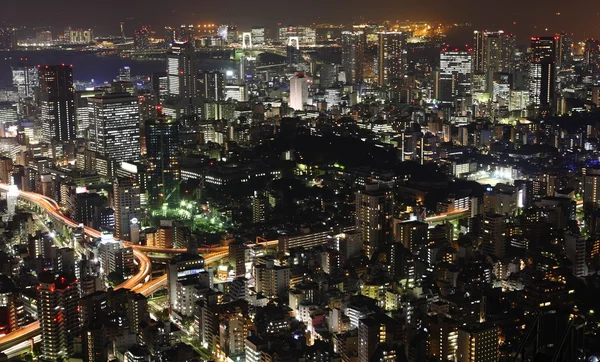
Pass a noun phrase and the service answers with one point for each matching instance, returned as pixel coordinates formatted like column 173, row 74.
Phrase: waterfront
column 88, row 65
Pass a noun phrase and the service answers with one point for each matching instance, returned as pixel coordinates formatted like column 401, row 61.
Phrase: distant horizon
column 522, row 18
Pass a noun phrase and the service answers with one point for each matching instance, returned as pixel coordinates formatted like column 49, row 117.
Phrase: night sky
column 532, row 17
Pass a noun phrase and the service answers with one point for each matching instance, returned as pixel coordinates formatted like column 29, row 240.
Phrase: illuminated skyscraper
column 564, row 51
column 391, row 57
column 57, row 98
column 212, row 86
column 164, row 174
column 183, row 100
column 591, row 54
column 114, row 130
column 454, row 80
column 542, row 72
column 353, row 43
column 374, row 211
column 25, row 79
column 58, row 301
column 141, row 38
column 127, row 205
column 170, row 36
column 493, row 52
column 187, row 34
column 298, row 92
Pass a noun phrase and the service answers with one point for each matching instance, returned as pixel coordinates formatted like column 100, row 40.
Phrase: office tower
column 187, row 34
column 258, row 35
column 298, row 92
column 455, row 77
column 479, row 343
column 58, row 301
column 114, row 130
column 57, row 99
column 8, row 39
column 127, row 206
column 575, row 248
column 304, row 35
column 182, row 99
column 493, row 52
column 353, row 43
column 211, row 86
column 501, row 86
column 170, row 36
column 591, row 53
column 542, row 72
column 563, row 50
column 182, row 267
column 493, row 235
column 391, row 58
column 26, row 80
column 162, row 153
column 141, row 38
column 293, row 54
column 78, row 36
column 374, row 211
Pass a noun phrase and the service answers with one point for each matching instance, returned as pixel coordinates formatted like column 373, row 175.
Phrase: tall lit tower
column 353, row 55
column 114, row 130
column 182, row 82
column 58, row 301
column 542, row 72
column 57, row 98
column 127, row 205
column 374, row 211
column 298, row 91
column 391, row 57
column 164, row 173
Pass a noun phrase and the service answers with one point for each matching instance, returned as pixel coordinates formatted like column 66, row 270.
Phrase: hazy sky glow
column 525, row 18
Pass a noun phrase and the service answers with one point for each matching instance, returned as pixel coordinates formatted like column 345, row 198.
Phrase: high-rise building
column 170, row 36
column 8, row 38
column 454, row 80
column 183, row 101
column 298, row 92
column 493, row 52
column 591, row 189
column 211, row 86
column 374, row 211
column 58, row 302
column 57, row 98
column 353, row 49
column 479, row 343
column 187, row 34
column 542, row 72
column 563, row 50
column 141, row 38
column 6, row 167
column 258, row 35
column 26, row 80
column 93, row 341
column 575, row 247
column 443, row 338
column 493, row 237
column 114, row 130
column 162, row 153
column 114, row 257
column 392, row 58
column 127, row 205
column 591, row 55
column 179, row 268
column 375, row 331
